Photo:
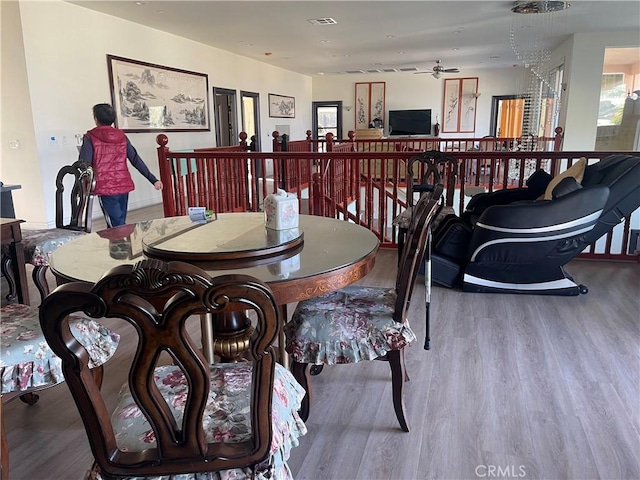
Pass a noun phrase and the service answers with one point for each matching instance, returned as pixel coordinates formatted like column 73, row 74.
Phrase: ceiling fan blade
column 451, row 70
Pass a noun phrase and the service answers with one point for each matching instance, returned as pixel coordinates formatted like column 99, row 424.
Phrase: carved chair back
column 428, row 169
column 76, row 201
column 157, row 299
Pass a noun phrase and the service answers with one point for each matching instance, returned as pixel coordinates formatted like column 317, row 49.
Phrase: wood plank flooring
column 514, row 386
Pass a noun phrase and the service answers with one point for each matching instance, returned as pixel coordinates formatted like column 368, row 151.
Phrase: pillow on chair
column 576, row 171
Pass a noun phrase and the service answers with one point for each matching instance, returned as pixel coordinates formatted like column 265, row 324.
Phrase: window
column 612, row 98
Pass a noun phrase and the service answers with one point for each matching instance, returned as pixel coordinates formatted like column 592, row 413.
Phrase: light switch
column 14, row 144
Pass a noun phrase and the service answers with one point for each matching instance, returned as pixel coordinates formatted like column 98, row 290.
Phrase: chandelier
column 531, row 35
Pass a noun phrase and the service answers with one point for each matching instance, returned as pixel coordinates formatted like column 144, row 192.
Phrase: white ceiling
column 374, row 35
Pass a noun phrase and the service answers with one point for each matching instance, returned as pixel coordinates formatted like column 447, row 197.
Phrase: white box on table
column 281, row 210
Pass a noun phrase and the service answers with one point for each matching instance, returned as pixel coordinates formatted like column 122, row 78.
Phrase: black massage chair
column 510, row 241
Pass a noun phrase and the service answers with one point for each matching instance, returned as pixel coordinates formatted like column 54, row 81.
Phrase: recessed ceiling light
column 391, row 36
column 160, row 11
column 455, row 48
column 140, row 3
column 324, row 41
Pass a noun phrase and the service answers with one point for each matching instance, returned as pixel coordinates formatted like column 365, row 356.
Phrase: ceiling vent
column 539, row 7
column 322, row 21
column 355, row 71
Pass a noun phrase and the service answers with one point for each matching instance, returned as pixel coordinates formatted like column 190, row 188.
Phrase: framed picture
column 459, row 107
column 451, row 107
column 468, row 102
column 153, row 98
column 281, row 106
column 370, row 97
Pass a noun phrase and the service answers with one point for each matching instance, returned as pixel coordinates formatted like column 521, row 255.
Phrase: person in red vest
column 107, row 149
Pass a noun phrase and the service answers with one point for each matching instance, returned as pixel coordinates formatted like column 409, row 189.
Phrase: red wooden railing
column 367, row 188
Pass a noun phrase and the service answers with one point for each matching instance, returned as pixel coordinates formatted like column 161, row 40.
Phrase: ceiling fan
column 438, row 70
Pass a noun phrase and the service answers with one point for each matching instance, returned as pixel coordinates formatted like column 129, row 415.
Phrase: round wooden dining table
column 321, row 255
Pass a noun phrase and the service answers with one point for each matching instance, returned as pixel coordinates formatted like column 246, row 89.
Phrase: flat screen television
column 410, row 122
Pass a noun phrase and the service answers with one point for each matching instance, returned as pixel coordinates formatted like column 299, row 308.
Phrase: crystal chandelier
column 532, row 29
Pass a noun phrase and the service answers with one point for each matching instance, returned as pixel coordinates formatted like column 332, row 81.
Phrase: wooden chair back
column 414, row 250
column 76, row 201
column 157, row 298
column 428, row 169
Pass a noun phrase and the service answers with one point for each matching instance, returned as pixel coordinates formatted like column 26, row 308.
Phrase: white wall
column 583, row 75
column 409, row 91
column 19, row 165
column 65, row 48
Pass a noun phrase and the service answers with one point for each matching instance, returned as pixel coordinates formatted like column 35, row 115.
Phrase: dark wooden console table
column 12, row 235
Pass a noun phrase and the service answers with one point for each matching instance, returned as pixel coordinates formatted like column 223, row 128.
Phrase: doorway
column 507, row 116
column 224, row 104
column 327, row 117
column 250, row 114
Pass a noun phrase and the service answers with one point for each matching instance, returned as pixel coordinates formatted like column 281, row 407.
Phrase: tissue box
column 281, row 210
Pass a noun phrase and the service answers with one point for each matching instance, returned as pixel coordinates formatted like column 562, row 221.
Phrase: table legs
column 235, row 340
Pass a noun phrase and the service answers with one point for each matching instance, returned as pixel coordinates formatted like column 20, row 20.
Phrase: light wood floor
column 514, row 386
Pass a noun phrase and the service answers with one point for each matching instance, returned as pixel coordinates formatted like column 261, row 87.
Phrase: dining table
column 319, row 256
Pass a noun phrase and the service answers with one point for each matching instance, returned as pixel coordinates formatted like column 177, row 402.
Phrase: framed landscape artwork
column 153, row 98
column 370, row 97
column 281, row 106
column 460, row 99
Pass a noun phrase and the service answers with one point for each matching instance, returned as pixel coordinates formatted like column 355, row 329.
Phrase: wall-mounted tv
column 410, row 122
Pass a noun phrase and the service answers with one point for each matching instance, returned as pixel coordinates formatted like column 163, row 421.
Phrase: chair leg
column 398, row 375
column 300, row 372
column 30, row 398
column 39, row 276
column 7, row 271
column 98, row 373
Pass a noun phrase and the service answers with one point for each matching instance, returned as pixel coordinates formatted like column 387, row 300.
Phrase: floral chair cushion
column 38, row 244
column 226, row 417
column 26, row 361
column 404, row 219
column 350, row 325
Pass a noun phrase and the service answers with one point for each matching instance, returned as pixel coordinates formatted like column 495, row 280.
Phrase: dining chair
column 424, row 172
column 177, row 416
column 28, row 365
column 76, row 203
column 359, row 323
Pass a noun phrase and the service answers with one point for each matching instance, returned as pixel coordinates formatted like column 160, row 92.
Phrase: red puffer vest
column 110, row 161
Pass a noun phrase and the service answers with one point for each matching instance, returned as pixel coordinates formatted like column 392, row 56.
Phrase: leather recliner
column 508, row 242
